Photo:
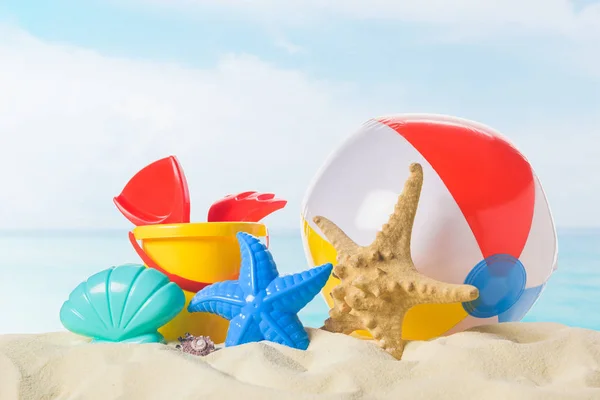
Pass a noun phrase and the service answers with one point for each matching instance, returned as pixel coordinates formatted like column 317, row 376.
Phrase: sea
column 39, row 269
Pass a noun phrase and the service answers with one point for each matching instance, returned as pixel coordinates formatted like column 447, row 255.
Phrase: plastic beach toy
column 246, row 206
column 122, row 304
column 195, row 256
column 192, row 255
column 262, row 305
column 483, row 218
column 157, row 194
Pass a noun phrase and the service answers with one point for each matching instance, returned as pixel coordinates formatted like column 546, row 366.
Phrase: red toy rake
column 246, row 207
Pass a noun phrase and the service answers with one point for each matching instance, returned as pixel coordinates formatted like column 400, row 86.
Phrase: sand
column 506, row 361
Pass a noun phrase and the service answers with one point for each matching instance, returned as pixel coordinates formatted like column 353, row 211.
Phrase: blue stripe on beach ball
column 501, row 281
column 522, row 306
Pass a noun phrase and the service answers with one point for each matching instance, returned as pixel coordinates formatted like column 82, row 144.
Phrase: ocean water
column 38, row 270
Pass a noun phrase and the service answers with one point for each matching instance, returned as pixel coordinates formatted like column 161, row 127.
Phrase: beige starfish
column 379, row 282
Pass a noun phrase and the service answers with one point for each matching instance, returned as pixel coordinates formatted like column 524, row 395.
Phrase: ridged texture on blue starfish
column 261, row 305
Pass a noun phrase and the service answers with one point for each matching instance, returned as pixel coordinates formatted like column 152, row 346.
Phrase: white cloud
column 289, row 47
column 76, row 125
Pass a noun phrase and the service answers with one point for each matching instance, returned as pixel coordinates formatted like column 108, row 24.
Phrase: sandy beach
column 507, row 361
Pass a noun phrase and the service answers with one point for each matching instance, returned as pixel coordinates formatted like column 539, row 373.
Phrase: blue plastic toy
column 262, row 305
column 123, row 304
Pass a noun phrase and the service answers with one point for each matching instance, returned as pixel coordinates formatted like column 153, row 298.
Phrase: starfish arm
column 222, row 298
column 427, row 290
column 394, row 236
column 291, row 293
column 243, row 329
column 339, row 322
column 387, row 331
column 258, row 268
column 285, row 329
column 340, row 241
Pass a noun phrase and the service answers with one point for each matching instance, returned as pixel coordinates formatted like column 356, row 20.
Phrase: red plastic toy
column 157, row 194
column 246, row 206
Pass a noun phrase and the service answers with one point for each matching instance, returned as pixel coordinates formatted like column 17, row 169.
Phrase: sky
column 255, row 95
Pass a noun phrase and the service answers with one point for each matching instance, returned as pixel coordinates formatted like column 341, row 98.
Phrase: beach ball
column 483, row 218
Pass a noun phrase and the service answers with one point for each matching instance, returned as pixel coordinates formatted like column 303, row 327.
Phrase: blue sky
column 363, row 52
column 113, row 85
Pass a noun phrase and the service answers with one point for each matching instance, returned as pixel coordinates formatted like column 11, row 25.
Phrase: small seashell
column 196, row 345
column 123, row 304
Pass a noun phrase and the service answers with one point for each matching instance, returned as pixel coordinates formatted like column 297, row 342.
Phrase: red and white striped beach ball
column 483, row 218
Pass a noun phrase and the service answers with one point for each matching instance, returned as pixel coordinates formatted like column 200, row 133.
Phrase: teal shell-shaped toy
column 123, row 304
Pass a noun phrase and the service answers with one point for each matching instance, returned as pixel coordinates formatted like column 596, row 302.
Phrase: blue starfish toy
column 261, row 305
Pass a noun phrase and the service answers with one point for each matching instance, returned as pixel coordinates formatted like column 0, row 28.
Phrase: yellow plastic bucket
column 194, row 255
